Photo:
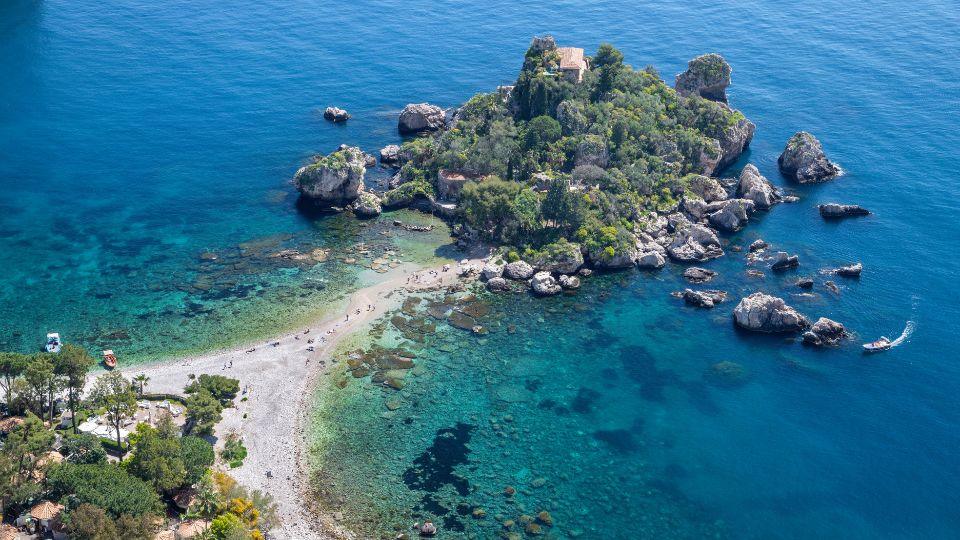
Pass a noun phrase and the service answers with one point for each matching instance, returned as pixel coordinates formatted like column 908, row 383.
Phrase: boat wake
column 907, row 332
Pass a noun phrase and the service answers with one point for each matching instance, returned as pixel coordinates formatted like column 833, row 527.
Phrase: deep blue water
column 135, row 135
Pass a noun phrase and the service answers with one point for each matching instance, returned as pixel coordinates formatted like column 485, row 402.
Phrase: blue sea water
column 135, row 136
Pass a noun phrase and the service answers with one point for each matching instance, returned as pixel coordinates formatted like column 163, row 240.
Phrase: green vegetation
column 234, row 452
column 568, row 160
column 126, row 498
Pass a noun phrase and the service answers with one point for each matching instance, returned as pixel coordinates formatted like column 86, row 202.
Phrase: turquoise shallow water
column 135, row 136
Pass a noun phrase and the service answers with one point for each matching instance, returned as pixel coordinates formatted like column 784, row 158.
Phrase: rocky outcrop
column 336, row 114
column 761, row 312
column 704, row 299
column 518, row 270
column 650, row 260
column 755, row 187
column 695, row 274
column 492, row 269
column 694, row 243
column 420, row 117
column 707, row 76
column 621, row 258
column 824, row 332
column 758, row 244
column 805, row 283
column 732, row 216
column 390, row 154
column 803, row 160
column 569, row 282
column 785, row 262
column 734, row 140
column 367, row 205
column 852, row 270
column 559, row 258
column 333, row 179
column 544, row 284
column 498, row 284
column 704, row 187
column 840, row 211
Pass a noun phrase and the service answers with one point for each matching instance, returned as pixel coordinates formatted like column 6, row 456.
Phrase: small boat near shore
column 53, row 343
column 109, row 359
column 879, row 345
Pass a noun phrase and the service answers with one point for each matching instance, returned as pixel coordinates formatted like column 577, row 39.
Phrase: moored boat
column 109, row 359
column 881, row 344
column 53, row 343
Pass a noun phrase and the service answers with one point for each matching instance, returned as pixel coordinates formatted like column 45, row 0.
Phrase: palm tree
column 141, row 381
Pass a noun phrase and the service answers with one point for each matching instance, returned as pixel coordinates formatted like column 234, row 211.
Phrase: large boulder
column 704, row 299
column 498, row 284
column 824, row 332
column 419, row 117
column 390, row 154
column 803, row 160
column 492, row 269
column 785, row 261
column 367, row 205
column 650, row 260
column 336, row 114
column 761, row 312
column 559, row 258
column 610, row 259
column 333, row 179
column 707, row 76
column 544, row 284
column 755, row 187
column 519, row 270
column 852, row 270
column 569, row 282
column 733, row 216
column 694, row 243
column 695, row 274
column 840, row 211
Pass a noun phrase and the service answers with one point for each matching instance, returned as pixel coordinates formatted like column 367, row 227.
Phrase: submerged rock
column 336, row 114
column 755, row 187
column 544, row 284
column 761, row 312
column 334, row 179
column 824, row 332
column 498, row 284
column 728, row 374
column 803, row 160
column 419, row 117
column 839, row 211
column 519, row 270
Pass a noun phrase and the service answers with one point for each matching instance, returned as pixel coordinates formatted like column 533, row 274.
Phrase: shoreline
column 278, row 379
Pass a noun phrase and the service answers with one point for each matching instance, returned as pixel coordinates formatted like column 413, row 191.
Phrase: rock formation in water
column 333, row 179
column 420, row 117
column 336, row 114
column 803, row 160
column 839, row 211
column 707, row 76
column 761, row 312
column 755, row 187
column 824, row 332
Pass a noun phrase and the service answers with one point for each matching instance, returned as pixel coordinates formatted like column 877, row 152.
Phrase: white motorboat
column 53, row 343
